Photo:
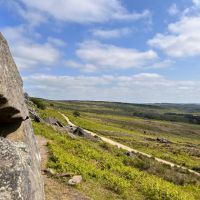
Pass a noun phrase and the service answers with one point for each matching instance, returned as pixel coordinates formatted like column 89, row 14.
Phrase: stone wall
column 20, row 175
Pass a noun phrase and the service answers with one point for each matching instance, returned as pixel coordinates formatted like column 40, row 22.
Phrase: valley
column 111, row 171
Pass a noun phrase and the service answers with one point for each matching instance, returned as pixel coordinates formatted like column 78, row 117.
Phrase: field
column 109, row 170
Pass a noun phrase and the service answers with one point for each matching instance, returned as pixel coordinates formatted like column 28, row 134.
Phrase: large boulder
column 80, row 132
column 11, row 93
column 20, row 174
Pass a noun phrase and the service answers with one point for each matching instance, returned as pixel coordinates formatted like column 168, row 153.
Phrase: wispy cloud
column 196, row 2
column 145, row 87
column 27, row 52
column 84, row 11
column 106, row 57
column 173, row 9
column 112, row 33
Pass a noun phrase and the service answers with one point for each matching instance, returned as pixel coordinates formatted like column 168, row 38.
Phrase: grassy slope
column 104, row 172
column 113, row 120
column 125, row 181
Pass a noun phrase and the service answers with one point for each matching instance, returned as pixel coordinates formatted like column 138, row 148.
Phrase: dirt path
column 119, row 145
column 54, row 189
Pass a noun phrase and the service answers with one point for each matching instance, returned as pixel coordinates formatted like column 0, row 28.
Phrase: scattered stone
column 34, row 116
column 75, row 180
column 70, row 129
column 163, row 140
column 130, row 154
column 53, row 121
column 80, row 132
column 97, row 138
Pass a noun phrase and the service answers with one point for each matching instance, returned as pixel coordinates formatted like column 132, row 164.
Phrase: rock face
column 20, row 174
column 11, row 92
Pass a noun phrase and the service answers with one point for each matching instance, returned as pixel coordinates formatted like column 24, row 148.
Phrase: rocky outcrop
column 53, row 121
column 20, row 173
column 11, row 92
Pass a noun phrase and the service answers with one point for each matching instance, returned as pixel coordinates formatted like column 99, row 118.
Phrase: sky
column 145, row 51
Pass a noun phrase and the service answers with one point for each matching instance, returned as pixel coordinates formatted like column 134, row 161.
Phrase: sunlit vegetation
column 108, row 172
column 51, row 113
column 109, row 168
column 38, row 102
column 141, row 135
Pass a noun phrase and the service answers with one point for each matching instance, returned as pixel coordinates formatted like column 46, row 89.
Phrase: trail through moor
column 124, row 147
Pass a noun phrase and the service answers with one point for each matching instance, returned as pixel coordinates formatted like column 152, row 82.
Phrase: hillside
column 113, row 172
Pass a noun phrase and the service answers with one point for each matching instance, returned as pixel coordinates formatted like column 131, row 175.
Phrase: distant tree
column 38, row 102
column 51, row 104
column 76, row 114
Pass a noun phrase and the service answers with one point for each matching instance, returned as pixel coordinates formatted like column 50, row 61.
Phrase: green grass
column 51, row 113
column 114, row 120
column 105, row 175
column 107, row 172
column 130, row 131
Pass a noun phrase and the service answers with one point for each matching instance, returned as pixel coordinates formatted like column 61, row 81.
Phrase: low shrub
column 38, row 102
column 76, row 114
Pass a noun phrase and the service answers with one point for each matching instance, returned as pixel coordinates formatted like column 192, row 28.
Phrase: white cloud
column 183, row 36
column 55, row 41
column 27, row 52
column 162, row 64
column 73, row 64
column 107, row 57
column 84, row 67
column 182, row 40
column 112, row 33
column 196, row 2
column 173, row 9
column 84, row 11
column 146, row 88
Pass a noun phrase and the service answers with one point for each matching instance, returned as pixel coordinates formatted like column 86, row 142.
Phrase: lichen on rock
column 20, row 172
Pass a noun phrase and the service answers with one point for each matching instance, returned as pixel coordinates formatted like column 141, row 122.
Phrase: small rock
column 53, row 121
column 130, row 154
column 97, row 138
column 75, row 180
column 80, row 132
column 34, row 116
column 163, row 140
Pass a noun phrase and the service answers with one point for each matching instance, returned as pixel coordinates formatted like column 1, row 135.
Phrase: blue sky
column 130, row 51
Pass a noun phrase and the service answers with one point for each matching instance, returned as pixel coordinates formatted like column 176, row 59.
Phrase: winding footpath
column 119, row 145
column 55, row 189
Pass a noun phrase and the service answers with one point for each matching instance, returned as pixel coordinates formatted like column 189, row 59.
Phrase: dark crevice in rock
column 3, row 100
column 8, row 128
column 9, row 115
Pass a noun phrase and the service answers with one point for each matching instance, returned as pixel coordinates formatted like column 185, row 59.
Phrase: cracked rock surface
column 20, row 174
